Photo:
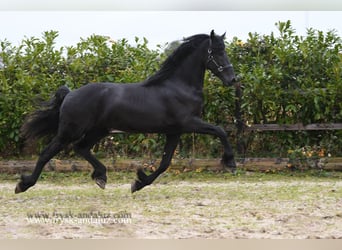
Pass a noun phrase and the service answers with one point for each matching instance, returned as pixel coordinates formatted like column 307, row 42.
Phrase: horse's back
column 100, row 104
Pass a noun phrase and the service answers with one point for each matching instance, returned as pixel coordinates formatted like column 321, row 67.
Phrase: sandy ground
column 176, row 210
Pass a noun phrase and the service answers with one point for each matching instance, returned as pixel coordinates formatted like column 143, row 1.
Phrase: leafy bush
column 290, row 79
column 35, row 69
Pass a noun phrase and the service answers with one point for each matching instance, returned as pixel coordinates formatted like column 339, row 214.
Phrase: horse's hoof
column 18, row 189
column 233, row 171
column 101, row 183
column 136, row 185
column 229, row 166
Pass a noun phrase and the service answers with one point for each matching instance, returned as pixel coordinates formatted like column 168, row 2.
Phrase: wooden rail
column 277, row 127
column 288, row 127
column 182, row 165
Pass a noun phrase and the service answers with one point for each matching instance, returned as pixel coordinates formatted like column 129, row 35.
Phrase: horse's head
column 218, row 62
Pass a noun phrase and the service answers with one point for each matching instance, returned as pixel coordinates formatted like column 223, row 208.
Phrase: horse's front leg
column 201, row 127
column 143, row 180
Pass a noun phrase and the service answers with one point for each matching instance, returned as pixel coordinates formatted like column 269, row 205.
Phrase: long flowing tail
column 44, row 121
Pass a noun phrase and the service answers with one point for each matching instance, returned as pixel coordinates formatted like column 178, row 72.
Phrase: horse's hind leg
column 83, row 148
column 50, row 151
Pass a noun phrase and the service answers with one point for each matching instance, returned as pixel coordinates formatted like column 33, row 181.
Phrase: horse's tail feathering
column 44, row 121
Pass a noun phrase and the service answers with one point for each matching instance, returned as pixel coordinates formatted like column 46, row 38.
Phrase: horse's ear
column 224, row 35
column 212, row 34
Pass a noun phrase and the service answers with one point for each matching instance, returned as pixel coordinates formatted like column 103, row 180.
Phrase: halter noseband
column 211, row 58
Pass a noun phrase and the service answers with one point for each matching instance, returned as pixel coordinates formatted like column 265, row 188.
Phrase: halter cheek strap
column 211, row 58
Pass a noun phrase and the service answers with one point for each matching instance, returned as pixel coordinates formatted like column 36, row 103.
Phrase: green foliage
column 35, row 69
column 286, row 78
column 290, row 79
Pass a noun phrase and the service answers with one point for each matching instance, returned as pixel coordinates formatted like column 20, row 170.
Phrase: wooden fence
column 288, row 127
column 240, row 129
column 16, row 167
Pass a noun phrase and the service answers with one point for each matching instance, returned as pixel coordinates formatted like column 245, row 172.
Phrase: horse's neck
column 191, row 71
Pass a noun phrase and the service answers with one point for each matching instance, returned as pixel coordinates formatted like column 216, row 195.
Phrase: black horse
column 169, row 102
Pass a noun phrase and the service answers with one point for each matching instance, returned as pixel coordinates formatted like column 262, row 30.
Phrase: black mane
column 172, row 62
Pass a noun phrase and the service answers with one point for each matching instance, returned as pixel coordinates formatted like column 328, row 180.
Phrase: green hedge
column 35, row 69
column 286, row 78
column 290, row 79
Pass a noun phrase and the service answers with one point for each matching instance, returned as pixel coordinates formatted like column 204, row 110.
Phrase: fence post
column 240, row 144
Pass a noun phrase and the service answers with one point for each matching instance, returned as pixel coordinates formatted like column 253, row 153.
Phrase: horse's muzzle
column 230, row 82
